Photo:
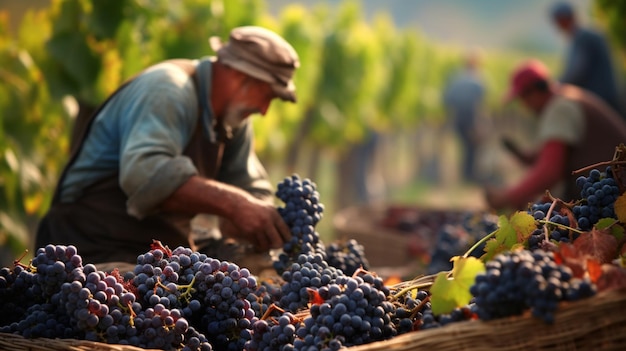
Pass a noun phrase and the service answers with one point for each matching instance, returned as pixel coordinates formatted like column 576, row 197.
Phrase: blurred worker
column 576, row 129
column 463, row 97
column 588, row 62
column 174, row 142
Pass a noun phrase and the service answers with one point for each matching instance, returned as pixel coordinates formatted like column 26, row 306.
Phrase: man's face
column 532, row 100
column 253, row 96
column 564, row 24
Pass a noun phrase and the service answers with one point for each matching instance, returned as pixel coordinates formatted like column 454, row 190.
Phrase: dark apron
column 605, row 129
column 98, row 224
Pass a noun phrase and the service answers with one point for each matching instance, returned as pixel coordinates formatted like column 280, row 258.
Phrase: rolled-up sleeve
column 164, row 115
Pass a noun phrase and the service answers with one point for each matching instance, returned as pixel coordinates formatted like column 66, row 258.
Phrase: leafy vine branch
column 619, row 159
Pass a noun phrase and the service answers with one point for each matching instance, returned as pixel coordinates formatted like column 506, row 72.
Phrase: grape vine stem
column 419, row 283
column 480, row 242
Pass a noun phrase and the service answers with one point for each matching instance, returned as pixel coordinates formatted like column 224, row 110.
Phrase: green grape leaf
column 448, row 294
column 511, row 233
column 620, row 208
column 492, row 248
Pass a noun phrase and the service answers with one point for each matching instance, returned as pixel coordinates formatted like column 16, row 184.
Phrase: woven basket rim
column 16, row 342
column 603, row 319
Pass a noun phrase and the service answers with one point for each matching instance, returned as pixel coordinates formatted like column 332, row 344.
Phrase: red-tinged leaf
column 156, row 244
column 598, row 244
column 558, row 259
column 314, row 297
column 613, row 277
column 612, row 225
column 127, row 284
column 594, row 268
column 568, row 255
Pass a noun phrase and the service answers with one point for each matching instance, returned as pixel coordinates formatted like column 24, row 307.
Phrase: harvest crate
column 594, row 324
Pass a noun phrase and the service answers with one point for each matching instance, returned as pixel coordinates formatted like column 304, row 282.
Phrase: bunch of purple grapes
column 84, row 303
column 211, row 294
column 16, row 294
column 520, row 280
column 276, row 333
column 355, row 311
column 348, row 256
column 457, row 236
column 413, row 312
column 558, row 227
column 309, row 272
column 599, row 191
column 302, row 211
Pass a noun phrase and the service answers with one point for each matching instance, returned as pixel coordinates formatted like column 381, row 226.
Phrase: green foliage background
column 355, row 76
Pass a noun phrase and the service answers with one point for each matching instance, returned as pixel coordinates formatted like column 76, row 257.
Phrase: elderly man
column 173, row 142
column 576, row 129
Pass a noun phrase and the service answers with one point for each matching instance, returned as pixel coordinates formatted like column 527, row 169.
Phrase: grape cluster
column 558, row 227
column 355, row 311
column 413, row 312
column 348, row 256
column 520, row 280
column 16, row 294
column 211, row 294
column 309, row 272
column 451, row 241
column 599, row 191
column 76, row 301
column 302, row 211
column 267, row 294
column 409, row 312
column 274, row 333
column 457, row 236
column 55, row 265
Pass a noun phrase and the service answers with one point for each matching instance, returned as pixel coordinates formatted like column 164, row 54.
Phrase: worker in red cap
column 576, row 129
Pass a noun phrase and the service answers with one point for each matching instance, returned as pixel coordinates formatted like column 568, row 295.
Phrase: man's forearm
column 201, row 195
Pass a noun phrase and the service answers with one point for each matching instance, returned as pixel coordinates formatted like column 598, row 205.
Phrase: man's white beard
column 235, row 116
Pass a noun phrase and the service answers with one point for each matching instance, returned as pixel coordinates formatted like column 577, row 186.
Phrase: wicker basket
column 14, row 342
column 595, row 324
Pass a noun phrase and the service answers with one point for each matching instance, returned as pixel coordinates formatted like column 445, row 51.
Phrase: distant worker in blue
column 463, row 97
column 588, row 63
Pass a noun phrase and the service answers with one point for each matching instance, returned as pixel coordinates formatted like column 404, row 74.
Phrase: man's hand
column 523, row 156
column 510, row 146
column 247, row 217
column 259, row 223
